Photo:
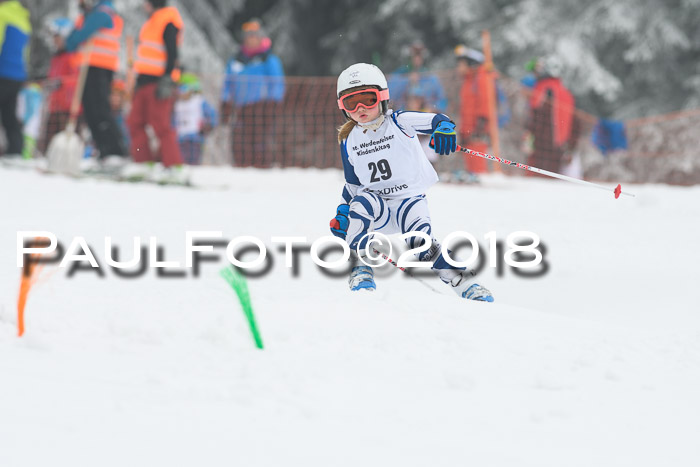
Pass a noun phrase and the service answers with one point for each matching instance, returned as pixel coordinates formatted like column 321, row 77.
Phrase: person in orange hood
column 553, row 129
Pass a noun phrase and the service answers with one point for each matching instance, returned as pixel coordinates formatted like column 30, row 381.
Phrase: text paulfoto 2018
column 44, row 247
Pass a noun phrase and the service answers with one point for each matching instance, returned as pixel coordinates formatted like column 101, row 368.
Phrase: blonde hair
column 345, row 129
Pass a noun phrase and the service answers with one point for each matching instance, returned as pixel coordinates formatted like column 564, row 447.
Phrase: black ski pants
column 97, row 111
column 9, row 90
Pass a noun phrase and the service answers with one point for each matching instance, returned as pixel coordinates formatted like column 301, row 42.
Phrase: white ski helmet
column 363, row 74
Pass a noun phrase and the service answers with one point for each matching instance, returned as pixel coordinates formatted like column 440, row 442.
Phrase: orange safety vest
column 105, row 44
column 151, row 55
column 474, row 98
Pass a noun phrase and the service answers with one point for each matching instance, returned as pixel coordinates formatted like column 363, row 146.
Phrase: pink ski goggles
column 367, row 98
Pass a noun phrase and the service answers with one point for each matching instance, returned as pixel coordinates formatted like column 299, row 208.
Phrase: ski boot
column 362, row 278
column 113, row 165
column 471, row 291
column 175, row 175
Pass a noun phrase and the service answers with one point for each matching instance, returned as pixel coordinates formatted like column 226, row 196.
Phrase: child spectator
column 61, row 82
column 194, row 119
column 116, row 101
column 29, row 111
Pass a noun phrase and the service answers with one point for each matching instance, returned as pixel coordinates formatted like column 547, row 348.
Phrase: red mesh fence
column 299, row 131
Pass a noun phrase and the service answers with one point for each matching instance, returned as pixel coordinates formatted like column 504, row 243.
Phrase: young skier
column 387, row 174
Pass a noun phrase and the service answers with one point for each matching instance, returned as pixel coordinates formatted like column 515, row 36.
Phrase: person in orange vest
column 101, row 25
column 474, row 106
column 155, row 94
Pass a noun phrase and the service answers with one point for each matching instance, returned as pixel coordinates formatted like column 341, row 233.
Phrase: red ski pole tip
column 618, row 190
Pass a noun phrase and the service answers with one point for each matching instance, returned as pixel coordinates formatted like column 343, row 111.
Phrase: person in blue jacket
column 414, row 79
column 253, row 86
column 15, row 30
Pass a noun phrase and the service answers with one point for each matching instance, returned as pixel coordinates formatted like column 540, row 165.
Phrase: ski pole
column 393, row 263
column 617, row 191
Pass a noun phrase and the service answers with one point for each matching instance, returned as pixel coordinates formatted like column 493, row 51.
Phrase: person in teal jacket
column 15, row 30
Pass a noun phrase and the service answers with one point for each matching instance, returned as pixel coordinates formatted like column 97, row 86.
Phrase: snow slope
column 595, row 363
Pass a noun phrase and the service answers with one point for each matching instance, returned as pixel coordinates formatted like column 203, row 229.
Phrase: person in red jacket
column 61, row 81
column 553, row 129
column 154, row 99
column 474, row 106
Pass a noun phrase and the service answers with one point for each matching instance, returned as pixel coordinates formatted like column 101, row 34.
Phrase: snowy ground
column 595, row 363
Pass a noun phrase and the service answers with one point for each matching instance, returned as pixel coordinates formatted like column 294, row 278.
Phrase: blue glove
column 444, row 138
column 340, row 223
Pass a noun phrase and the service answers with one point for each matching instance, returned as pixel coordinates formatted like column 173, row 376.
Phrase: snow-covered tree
column 622, row 59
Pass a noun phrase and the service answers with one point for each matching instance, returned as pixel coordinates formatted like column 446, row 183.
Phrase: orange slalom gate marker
column 30, row 272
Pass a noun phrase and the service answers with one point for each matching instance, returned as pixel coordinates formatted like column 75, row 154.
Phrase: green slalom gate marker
column 240, row 286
